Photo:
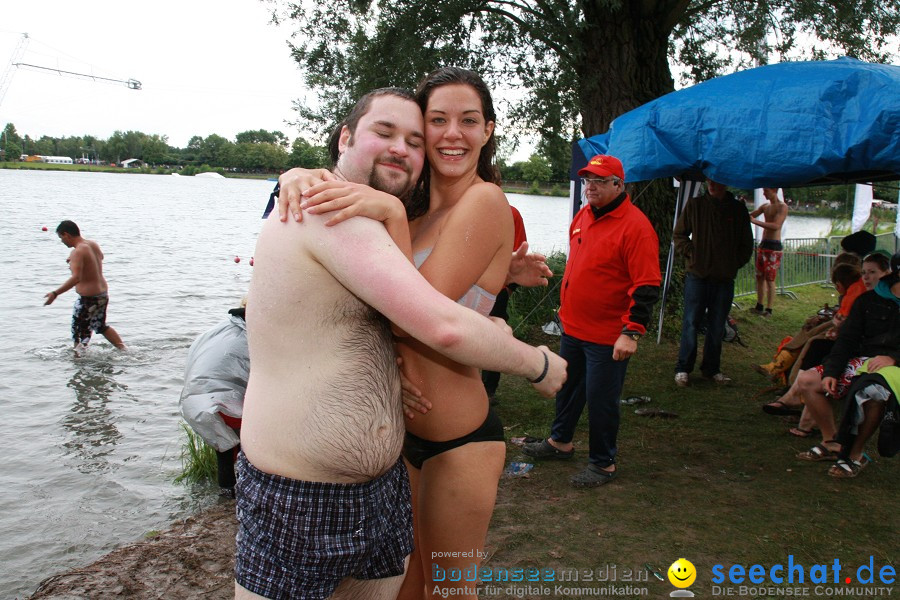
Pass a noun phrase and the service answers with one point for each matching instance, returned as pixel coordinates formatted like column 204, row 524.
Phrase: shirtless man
column 86, row 264
column 768, row 254
column 323, row 499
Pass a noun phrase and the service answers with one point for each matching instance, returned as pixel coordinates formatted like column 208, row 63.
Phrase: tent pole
column 687, row 190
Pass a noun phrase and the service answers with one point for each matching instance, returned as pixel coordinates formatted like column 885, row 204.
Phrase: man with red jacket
column 608, row 291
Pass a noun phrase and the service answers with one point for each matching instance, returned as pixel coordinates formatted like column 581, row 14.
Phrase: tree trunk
column 623, row 61
column 624, row 64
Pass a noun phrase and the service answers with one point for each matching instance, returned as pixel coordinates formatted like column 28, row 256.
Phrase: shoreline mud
column 194, row 558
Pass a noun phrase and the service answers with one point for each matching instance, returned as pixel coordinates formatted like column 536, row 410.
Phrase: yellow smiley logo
column 682, row 573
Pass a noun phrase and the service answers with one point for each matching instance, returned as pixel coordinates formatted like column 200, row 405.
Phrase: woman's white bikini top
column 477, row 298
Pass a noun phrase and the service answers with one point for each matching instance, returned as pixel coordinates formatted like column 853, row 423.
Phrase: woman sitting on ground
column 870, row 398
column 821, row 326
column 848, row 283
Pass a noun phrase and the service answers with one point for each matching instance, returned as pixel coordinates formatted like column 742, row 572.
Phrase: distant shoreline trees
column 256, row 151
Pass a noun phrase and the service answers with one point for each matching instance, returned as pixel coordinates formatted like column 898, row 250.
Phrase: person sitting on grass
column 875, row 266
column 872, row 396
column 789, row 358
column 848, row 283
column 871, row 330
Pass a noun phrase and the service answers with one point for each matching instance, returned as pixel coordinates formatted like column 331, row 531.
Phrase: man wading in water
column 86, row 264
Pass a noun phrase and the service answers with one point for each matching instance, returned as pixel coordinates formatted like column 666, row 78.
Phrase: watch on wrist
column 633, row 335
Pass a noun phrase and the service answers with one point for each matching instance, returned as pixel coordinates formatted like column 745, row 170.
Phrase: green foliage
column 303, row 154
column 512, row 172
column 261, row 136
column 558, row 152
column 536, row 169
column 198, row 459
column 10, row 134
column 531, row 308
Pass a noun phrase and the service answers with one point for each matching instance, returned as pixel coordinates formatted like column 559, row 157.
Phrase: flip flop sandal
column 780, row 408
column 802, row 433
column 847, row 469
column 818, row 453
column 655, row 412
column 630, row 400
column 521, row 441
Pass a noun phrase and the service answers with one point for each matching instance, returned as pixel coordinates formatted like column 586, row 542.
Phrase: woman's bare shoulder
column 484, row 193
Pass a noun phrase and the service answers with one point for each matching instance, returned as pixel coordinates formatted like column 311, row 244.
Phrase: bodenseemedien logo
column 682, row 575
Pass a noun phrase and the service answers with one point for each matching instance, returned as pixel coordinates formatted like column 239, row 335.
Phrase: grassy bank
column 717, row 485
column 535, row 189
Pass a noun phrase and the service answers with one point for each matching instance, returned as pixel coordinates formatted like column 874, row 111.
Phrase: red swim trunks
column 849, row 373
column 768, row 259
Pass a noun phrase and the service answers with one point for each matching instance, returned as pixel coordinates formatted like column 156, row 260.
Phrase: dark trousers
column 712, row 299
column 595, row 379
column 815, row 355
column 491, row 379
column 225, row 475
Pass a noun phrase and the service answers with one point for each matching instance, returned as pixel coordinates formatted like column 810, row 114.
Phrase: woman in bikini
column 461, row 229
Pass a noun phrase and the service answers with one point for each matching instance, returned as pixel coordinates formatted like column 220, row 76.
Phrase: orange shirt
column 850, row 297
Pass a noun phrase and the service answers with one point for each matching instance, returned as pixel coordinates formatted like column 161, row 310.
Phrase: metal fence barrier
column 805, row 261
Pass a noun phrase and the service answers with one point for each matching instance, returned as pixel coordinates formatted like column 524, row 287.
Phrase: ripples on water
column 92, row 444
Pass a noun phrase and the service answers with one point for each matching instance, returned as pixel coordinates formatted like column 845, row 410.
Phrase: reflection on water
column 94, row 434
column 97, row 438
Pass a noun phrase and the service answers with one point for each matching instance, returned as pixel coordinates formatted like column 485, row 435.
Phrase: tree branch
column 559, row 48
column 688, row 12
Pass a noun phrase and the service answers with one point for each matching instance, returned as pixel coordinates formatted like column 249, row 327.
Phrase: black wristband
column 543, row 374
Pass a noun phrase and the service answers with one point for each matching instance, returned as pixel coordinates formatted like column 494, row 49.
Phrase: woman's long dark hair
column 487, row 167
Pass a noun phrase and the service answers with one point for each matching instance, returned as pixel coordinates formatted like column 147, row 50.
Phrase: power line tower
column 13, row 63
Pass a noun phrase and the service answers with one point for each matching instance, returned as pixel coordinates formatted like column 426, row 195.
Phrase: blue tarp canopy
column 780, row 125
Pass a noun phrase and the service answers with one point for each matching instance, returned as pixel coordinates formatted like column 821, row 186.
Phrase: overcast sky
column 206, row 66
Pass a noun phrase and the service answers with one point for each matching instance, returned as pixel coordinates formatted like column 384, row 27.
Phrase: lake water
column 92, row 445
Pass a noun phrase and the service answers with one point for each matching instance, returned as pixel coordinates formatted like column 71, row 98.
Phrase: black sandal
column 818, row 453
column 780, row 408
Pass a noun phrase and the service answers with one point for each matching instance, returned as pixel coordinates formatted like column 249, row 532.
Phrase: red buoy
column 251, row 261
column 237, row 259
column 44, row 228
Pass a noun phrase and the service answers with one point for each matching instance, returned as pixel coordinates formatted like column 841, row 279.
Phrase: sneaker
column 721, row 379
column 681, row 379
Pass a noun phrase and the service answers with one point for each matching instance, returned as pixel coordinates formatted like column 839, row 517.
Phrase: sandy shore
column 192, row 559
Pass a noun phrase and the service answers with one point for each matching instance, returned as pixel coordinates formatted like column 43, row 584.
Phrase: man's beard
column 388, row 185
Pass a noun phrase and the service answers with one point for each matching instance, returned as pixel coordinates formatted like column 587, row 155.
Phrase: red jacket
column 609, row 258
column 518, row 228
